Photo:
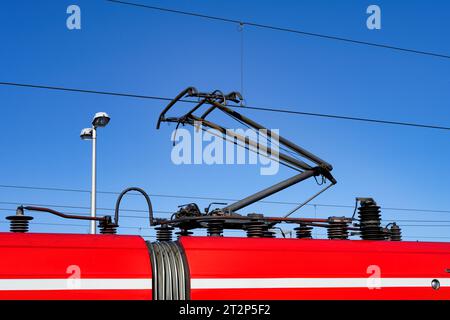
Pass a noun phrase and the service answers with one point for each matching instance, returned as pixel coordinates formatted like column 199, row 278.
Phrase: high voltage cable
column 109, row 93
column 265, row 109
column 424, row 237
column 11, row 210
column 171, row 212
column 275, row 28
column 197, row 198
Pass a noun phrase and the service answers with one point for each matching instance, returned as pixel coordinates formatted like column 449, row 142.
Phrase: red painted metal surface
column 49, row 257
column 336, row 260
column 223, row 268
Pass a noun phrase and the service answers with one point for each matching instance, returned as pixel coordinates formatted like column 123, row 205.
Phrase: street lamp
column 101, row 119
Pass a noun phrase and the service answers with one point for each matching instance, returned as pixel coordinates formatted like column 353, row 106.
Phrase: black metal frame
column 218, row 100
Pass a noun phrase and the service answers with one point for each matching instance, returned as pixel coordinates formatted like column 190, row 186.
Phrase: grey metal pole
column 94, row 180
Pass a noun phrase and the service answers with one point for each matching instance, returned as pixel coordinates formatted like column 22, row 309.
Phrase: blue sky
column 129, row 49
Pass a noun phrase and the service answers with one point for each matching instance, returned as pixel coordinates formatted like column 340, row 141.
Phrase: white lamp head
column 86, row 134
column 101, row 119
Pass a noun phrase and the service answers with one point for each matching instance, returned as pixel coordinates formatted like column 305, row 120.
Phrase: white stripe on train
column 75, row 284
column 285, row 283
column 216, row 283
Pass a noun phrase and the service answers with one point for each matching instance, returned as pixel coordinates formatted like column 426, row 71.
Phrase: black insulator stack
column 184, row 233
column 164, row 233
column 370, row 221
column 215, row 228
column 255, row 228
column 395, row 232
column 337, row 229
column 269, row 234
column 19, row 223
column 107, row 228
column 303, row 231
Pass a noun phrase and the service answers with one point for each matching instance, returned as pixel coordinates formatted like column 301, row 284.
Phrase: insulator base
column 337, row 231
column 215, row 228
column 107, row 227
column 164, row 233
column 395, row 233
column 370, row 222
column 19, row 223
column 255, row 229
column 269, row 234
column 108, row 230
column 184, row 233
column 303, row 231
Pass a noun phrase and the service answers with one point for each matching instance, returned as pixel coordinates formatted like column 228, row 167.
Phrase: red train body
column 73, row 266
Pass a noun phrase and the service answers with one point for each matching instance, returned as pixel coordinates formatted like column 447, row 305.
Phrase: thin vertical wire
column 241, row 30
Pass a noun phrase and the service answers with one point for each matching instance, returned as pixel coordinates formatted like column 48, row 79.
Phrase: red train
column 110, row 266
column 72, row 266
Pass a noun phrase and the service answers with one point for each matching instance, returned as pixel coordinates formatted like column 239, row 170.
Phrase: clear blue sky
column 128, row 49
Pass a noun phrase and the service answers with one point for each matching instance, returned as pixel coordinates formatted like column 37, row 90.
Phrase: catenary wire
column 288, row 30
column 264, row 109
column 212, row 198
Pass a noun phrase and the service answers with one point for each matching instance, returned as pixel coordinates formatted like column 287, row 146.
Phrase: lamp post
column 101, row 119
